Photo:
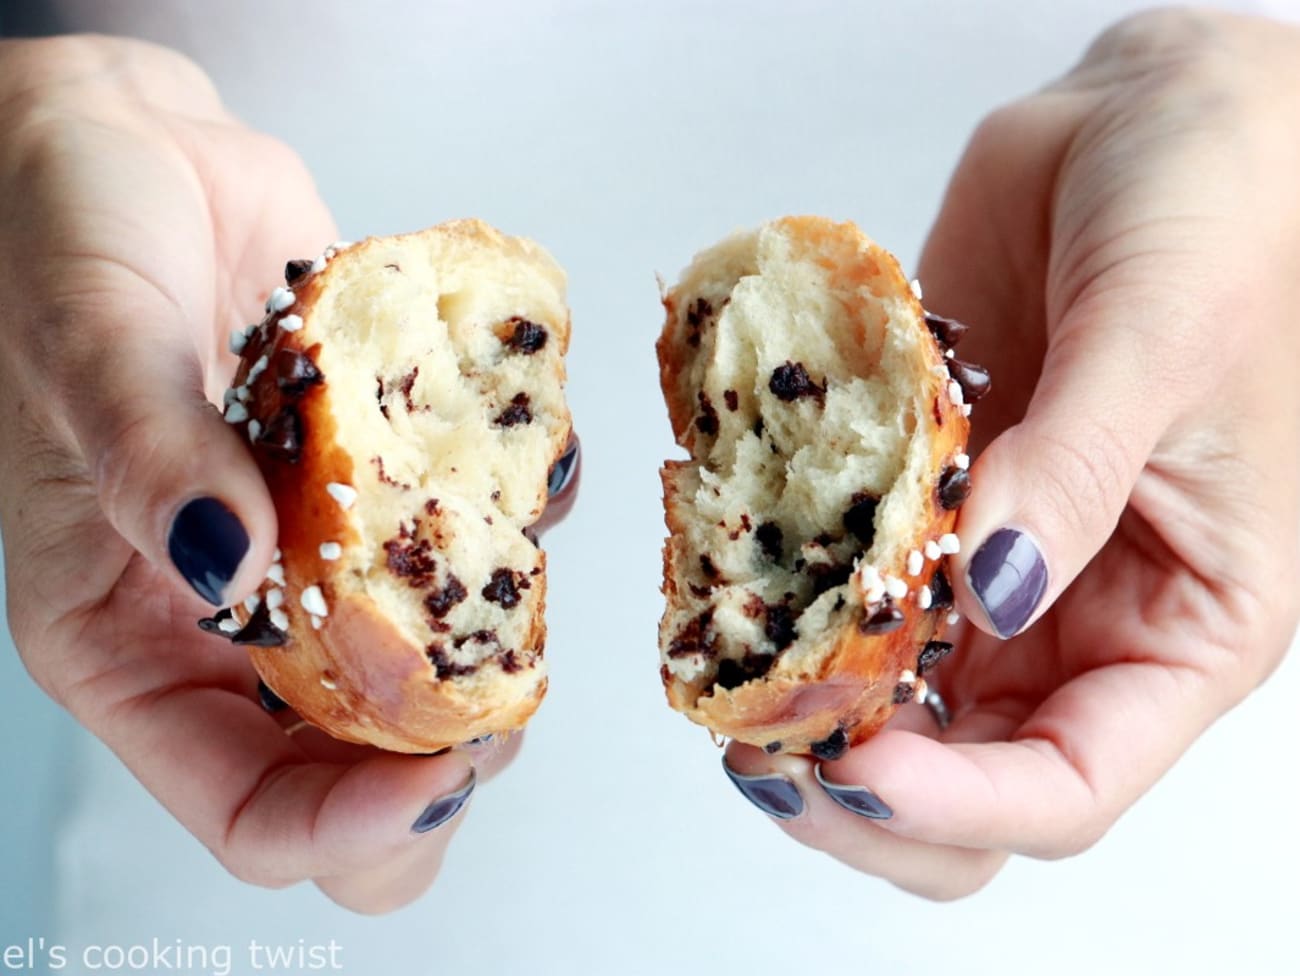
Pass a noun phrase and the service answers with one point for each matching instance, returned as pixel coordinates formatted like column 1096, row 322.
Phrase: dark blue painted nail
column 775, row 795
column 1009, row 576
column 564, row 469
column 207, row 542
column 270, row 700
column 444, row 808
column 855, row 799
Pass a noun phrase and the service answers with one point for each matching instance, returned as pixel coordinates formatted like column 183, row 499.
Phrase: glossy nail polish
column 855, row 799
column 444, row 808
column 775, row 795
column 1008, row 576
column 207, row 542
column 270, row 700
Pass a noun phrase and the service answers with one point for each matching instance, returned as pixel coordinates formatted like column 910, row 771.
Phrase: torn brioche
column 404, row 398
column 826, row 423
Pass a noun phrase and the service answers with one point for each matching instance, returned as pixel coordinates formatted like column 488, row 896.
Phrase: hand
column 139, row 224
column 1126, row 246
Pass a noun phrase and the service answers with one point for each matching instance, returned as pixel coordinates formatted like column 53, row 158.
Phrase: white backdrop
column 624, row 137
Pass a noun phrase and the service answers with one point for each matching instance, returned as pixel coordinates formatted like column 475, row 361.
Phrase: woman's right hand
column 139, row 224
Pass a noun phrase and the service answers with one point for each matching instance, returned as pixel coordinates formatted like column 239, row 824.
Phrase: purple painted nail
column 855, row 799
column 1009, row 576
column 775, row 795
column 444, row 808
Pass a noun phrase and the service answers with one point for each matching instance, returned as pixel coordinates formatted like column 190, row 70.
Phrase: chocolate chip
column 440, row 602
column 282, row 437
column 696, row 637
column 903, row 693
column 406, row 385
column 446, row 668
column 504, row 586
column 295, row 372
column 827, row 576
column 973, row 380
column 707, row 567
column 758, row 427
column 411, row 560
column 954, row 488
column 732, row 399
column 527, row 337
column 886, row 619
column 770, row 540
column 477, row 637
column 212, row 625
column 509, row 661
column 259, row 632
column 698, row 314
column 295, row 269
column 665, row 675
column 931, row 655
column 832, row 747
column 839, row 604
column 707, row 422
column 384, row 476
column 733, row 673
column 791, row 381
column 516, row 413
column 946, row 332
column 860, row 519
column 269, row 700
column 941, row 597
column 772, row 748
column 779, row 627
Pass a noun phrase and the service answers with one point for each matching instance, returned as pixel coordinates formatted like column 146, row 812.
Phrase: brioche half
column 404, row 400
column 826, row 422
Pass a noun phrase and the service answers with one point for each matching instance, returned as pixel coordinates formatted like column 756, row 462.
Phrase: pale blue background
column 625, row 136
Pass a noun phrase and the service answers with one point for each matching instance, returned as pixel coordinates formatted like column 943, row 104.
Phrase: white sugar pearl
column 276, row 574
column 949, row 544
column 330, row 551
column 274, row 598
column 279, row 620
column 291, row 323
column 916, row 288
column 345, row 495
column 236, row 413
column 313, row 601
column 895, row 587
column 915, row 563
column 281, row 298
column 924, row 598
column 932, row 550
column 229, row 625
column 961, row 462
column 254, row 430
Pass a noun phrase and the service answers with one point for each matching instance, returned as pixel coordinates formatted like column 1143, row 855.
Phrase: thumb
column 1050, row 490
column 172, row 477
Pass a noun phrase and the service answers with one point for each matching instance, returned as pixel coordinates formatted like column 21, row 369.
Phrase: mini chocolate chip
column 697, row 316
column 791, row 381
column 758, row 427
column 696, row 637
column 733, row 673
column 212, row 625
column 772, row 748
column 295, row 269
column 446, row 668
column 903, row 693
column 282, row 437
column 832, row 747
column 946, row 332
column 516, row 413
column 440, row 602
column 827, row 576
column 259, row 631
column 954, row 488
column 770, row 539
column 527, row 337
column 295, row 372
column 860, row 519
column 504, row 586
column 884, row 620
column 700, row 591
column 477, row 637
column 665, row 675
column 931, row 655
column 707, row 422
column 509, row 661
column 732, row 399
column 270, row 701
column 839, row 604
column 411, row 560
column 940, row 591
column 707, row 567
column 973, row 380
column 779, row 627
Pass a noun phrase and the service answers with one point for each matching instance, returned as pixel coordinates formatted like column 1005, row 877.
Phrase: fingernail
column 270, row 700
column 855, row 799
column 481, row 740
column 775, row 795
column 444, row 808
column 564, row 469
column 207, row 543
column 1008, row 576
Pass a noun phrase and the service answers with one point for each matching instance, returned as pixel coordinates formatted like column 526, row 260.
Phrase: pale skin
column 1106, row 238
column 1126, row 246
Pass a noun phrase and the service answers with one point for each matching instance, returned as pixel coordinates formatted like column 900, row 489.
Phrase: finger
column 1051, row 791
column 176, row 481
column 230, row 775
column 933, row 871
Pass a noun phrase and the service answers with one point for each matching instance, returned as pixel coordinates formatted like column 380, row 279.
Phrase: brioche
column 826, row 423
column 404, row 400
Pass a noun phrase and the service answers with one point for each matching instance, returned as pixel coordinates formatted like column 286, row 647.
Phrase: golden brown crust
column 827, row 702
column 355, row 673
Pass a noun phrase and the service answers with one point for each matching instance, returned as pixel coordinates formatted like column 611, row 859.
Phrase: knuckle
column 1087, row 480
column 1178, row 34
